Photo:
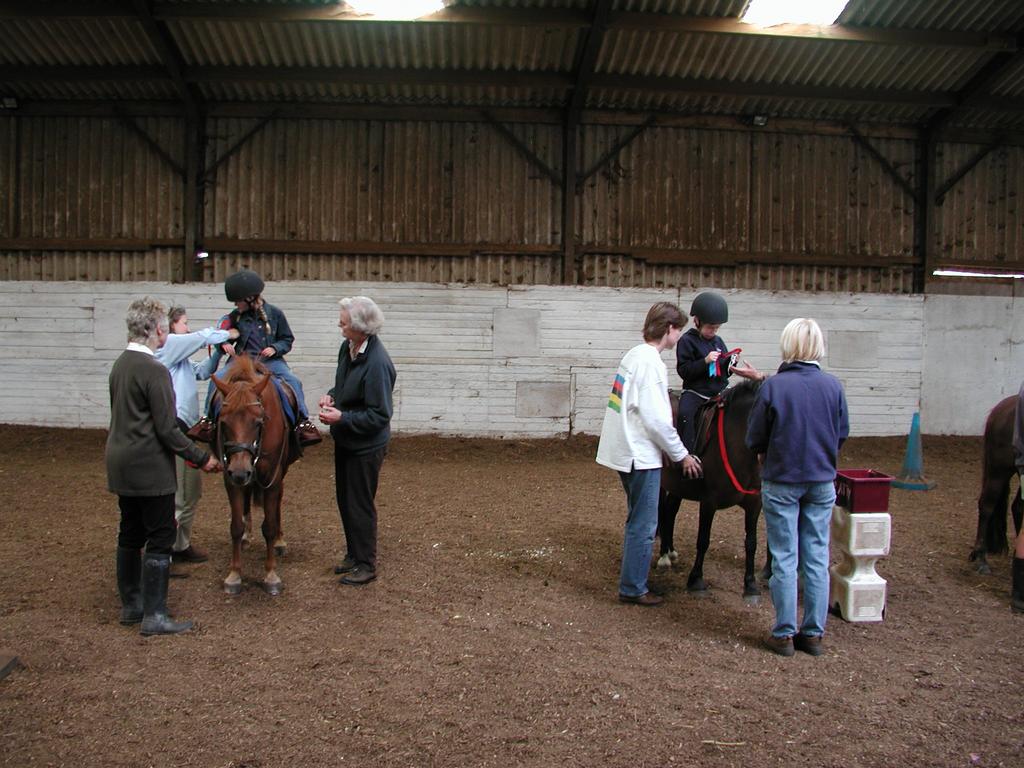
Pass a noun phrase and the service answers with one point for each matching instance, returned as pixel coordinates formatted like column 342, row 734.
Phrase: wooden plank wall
column 431, row 201
column 459, row 370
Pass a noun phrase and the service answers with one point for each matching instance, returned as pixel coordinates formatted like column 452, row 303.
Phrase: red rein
column 725, row 455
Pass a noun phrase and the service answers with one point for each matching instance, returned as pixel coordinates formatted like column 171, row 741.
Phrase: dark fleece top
column 144, row 434
column 363, row 393
column 799, row 421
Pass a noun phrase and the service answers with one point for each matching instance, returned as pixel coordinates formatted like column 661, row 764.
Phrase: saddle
column 702, row 419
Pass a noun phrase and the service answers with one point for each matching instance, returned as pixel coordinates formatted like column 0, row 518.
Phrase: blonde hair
column 802, row 340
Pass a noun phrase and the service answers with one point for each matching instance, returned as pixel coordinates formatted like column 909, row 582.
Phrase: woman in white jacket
column 175, row 354
column 637, row 428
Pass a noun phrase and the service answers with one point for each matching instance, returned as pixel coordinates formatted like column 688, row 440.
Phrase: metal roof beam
column 975, row 92
column 168, row 52
column 590, row 49
column 533, row 17
column 503, row 78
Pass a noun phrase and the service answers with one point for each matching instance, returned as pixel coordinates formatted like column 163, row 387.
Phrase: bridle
column 230, row 447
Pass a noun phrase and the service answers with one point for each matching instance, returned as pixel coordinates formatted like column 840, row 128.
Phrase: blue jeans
column 797, row 518
column 278, row 368
column 642, row 487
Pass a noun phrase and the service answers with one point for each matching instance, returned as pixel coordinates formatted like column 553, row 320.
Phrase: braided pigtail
column 262, row 315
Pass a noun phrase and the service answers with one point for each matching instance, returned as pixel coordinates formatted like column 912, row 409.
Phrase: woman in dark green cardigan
column 143, row 440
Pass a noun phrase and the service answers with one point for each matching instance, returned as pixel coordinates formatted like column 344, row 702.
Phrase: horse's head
column 242, row 419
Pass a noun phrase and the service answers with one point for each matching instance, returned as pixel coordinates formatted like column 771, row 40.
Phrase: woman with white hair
column 358, row 410
column 797, row 425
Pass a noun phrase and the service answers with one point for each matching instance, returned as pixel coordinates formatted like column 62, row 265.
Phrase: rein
column 230, row 447
column 725, row 454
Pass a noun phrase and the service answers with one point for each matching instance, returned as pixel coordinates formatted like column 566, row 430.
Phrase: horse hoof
column 233, row 588
column 983, row 569
column 273, row 589
column 752, row 600
column 664, row 562
column 280, row 550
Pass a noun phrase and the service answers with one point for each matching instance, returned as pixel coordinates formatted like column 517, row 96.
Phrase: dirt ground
column 493, row 636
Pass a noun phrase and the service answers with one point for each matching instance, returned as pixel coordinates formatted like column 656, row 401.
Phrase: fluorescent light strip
column 965, row 273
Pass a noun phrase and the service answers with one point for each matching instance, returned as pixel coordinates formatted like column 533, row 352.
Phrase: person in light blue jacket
column 175, row 354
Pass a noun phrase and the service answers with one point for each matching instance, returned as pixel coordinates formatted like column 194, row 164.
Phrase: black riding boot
column 155, row 573
column 129, row 584
column 1017, row 596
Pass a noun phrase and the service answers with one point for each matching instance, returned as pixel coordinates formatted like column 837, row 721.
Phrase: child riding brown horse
column 255, row 446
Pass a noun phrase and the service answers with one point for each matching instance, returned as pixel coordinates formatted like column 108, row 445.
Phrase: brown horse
column 732, row 477
column 253, row 441
column 997, row 469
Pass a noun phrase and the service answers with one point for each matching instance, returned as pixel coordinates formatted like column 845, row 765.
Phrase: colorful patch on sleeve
column 615, row 401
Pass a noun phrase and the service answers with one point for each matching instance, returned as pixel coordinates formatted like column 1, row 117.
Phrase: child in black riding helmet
column 698, row 365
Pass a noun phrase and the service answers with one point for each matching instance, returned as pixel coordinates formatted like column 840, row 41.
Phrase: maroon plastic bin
column 863, row 490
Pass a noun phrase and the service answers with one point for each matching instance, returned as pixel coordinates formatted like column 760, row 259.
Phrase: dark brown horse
column 997, row 469
column 732, row 477
column 255, row 446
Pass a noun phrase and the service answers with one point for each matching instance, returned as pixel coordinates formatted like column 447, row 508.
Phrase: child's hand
column 712, row 356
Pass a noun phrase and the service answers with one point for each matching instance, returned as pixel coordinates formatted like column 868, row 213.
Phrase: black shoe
column 307, row 433
column 155, row 621
column 191, row 554
column 780, row 645
column 204, row 431
column 358, row 576
column 810, row 644
column 647, row 599
column 345, row 566
column 129, row 584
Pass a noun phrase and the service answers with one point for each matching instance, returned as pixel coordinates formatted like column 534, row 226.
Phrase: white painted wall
column 529, row 361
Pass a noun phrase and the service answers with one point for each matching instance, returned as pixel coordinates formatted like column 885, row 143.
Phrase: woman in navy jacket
column 358, row 410
column 797, row 425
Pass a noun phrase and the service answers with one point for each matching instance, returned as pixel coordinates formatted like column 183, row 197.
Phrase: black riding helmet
column 710, row 308
column 243, row 285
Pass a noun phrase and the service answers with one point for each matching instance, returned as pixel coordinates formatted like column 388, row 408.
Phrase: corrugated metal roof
column 699, row 58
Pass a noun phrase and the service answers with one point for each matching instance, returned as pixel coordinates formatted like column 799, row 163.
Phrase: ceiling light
column 768, row 13
column 201, row 254
column 968, row 273
column 396, row 10
column 8, row 102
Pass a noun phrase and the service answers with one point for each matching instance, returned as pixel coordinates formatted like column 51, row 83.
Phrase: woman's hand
column 211, row 465
column 691, row 467
column 329, row 415
column 325, row 401
column 233, row 333
column 712, row 356
column 747, row 371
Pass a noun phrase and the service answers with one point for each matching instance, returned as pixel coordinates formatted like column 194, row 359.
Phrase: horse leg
column 668, row 508
column 239, row 501
column 987, row 503
column 766, row 572
column 695, row 582
column 272, row 583
column 280, row 545
column 751, row 512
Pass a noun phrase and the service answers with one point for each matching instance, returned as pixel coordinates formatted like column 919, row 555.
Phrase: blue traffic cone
column 911, row 477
